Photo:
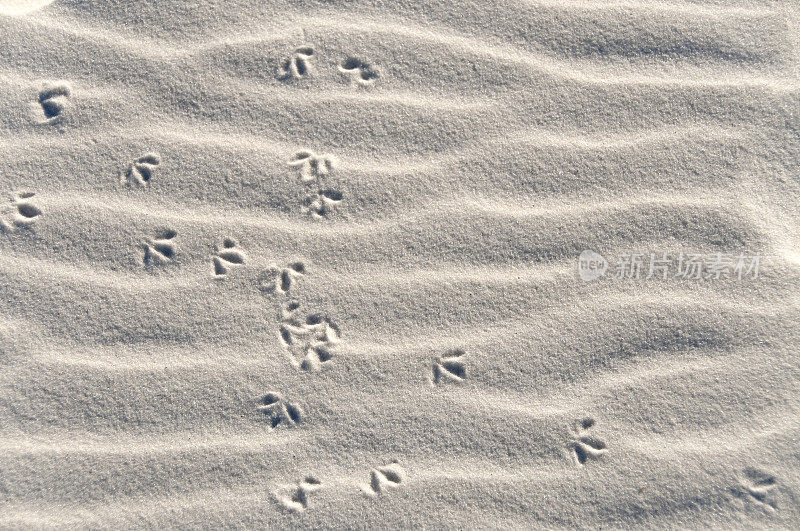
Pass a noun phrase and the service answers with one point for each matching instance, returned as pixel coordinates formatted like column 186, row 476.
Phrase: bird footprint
column 320, row 200
column 227, row 256
column 314, row 170
column 140, row 171
column 297, row 499
column 160, row 250
column 54, row 99
column 360, row 73
column 584, row 446
column 384, row 477
column 310, row 341
column 281, row 280
column 298, row 65
column 278, row 410
column 320, row 203
column 21, row 212
column 312, row 167
column 758, row 486
column 450, row 367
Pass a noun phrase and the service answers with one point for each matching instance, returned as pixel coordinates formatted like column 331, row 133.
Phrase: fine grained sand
column 314, row 264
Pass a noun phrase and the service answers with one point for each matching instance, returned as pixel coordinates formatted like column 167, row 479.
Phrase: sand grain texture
column 314, row 264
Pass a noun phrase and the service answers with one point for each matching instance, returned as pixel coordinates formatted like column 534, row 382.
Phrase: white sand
column 314, row 264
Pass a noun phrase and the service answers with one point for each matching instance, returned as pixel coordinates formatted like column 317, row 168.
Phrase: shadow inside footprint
column 53, row 99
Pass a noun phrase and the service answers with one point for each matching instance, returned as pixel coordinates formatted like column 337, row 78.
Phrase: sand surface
column 316, row 264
